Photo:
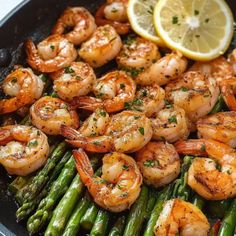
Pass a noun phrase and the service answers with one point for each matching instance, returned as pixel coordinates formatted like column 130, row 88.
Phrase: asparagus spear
column 136, row 214
column 64, row 208
column 100, row 224
column 29, row 206
column 218, row 106
column 59, row 187
column 73, row 225
column 229, row 221
column 217, row 209
column 18, row 183
column 198, row 201
column 30, row 191
column 87, row 221
column 162, row 197
column 151, row 202
column 118, row 228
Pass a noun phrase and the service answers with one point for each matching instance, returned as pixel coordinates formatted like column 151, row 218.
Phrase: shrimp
column 232, row 60
column 113, row 91
column 120, row 184
column 149, row 100
column 171, row 124
column 164, row 70
column 48, row 114
column 114, row 13
column 137, row 53
column 204, row 175
column 219, row 68
column 159, row 163
column 52, row 54
column 23, row 86
column 75, row 80
column 95, row 124
column 127, row 131
column 220, row 127
column 23, row 149
column 103, row 46
column 228, row 89
column 182, row 218
column 79, row 20
column 194, row 92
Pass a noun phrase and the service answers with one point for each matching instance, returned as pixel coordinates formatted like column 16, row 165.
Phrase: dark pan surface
column 34, row 19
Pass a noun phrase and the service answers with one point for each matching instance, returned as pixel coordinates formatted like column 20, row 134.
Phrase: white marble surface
column 6, row 6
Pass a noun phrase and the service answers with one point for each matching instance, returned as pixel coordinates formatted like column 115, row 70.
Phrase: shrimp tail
column 69, row 132
column 86, row 103
column 5, row 136
column 121, row 28
column 83, row 165
column 191, row 147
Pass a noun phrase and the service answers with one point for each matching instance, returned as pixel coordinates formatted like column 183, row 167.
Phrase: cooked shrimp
column 103, row 46
column 159, row 163
column 194, row 92
column 113, row 91
column 232, row 60
column 127, row 131
column 204, row 175
column 228, row 89
column 23, row 149
column 23, row 86
column 138, row 53
column 171, row 124
column 220, row 127
column 149, row 100
column 164, row 70
column 116, row 10
column 75, row 80
column 114, row 13
column 95, row 124
column 79, row 20
column 118, row 187
column 52, row 54
column 181, row 218
column 48, row 114
column 219, row 68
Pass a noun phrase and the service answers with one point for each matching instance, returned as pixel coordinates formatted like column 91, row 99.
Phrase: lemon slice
column 200, row 29
column 140, row 14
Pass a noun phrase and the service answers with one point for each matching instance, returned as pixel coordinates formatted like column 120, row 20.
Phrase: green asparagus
column 29, row 206
column 118, row 228
column 198, row 201
column 90, row 215
column 162, row 197
column 151, row 202
column 229, row 221
column 30, row 191
column 217, row 209
column 59, row 187
column 218, row 106
column 100, row 224
column 136, row 214
column 64, row 208
column 18, row 183
column 73, row 224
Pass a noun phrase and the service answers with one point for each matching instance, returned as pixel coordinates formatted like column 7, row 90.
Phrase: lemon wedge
column 200, row 29
column 140, row 14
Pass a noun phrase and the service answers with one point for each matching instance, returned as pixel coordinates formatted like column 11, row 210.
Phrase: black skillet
column 34, row 19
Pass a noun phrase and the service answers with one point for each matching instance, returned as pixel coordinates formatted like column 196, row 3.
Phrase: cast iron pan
column 33, row 19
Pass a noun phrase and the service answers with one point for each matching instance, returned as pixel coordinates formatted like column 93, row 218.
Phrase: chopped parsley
column 203, row 148
column 14, row 80
column 141, row 130
column 125, row 194
column 175, row 20
column 137, row 102
column 78, row 77
column 52, row 47
column 125, row 167
column 69, row 70
column 207, row 20
column 32, row 143
column 122, row 86
column 96, row 143
column 184, row 89
column 54, row 95
column 172, row 119
column 168, row 104
column 103, row 113
column 196, row 12
column 149, row 163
